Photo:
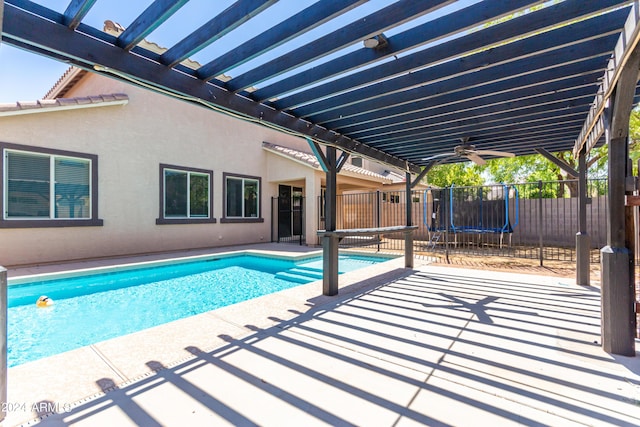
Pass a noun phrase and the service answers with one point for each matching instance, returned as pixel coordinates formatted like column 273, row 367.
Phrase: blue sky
column 28, row 76
column 25, row 76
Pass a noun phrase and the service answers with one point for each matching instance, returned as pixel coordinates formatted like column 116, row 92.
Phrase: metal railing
column 288, row 220
column 536, row 220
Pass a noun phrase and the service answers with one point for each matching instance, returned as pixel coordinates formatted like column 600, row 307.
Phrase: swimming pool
column 92, row 306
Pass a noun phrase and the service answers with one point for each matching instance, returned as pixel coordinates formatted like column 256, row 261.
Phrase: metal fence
column 287, row 220
column 533, row 220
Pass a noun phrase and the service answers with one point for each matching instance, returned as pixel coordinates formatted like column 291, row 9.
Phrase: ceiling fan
column 470, row 152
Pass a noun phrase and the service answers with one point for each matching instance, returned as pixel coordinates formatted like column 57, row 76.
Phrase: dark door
column 284, row 211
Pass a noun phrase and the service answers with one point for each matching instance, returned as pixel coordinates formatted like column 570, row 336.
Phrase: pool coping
column 19, row 280
column 77, row 375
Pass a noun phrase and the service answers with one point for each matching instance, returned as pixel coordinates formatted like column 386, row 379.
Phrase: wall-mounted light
column 376, row 42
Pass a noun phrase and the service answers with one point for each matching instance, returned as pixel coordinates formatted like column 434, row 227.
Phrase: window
column 390, row 198
column 48, row 188
column 185, row 195
column 356, row 161
column 242, row 198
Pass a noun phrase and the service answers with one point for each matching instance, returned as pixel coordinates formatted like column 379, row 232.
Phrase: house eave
column 316, row 166
column 61, row 104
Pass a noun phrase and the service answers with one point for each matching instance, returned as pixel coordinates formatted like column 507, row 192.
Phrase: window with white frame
column 185, row 195
column 242, row 198
column 43, row 187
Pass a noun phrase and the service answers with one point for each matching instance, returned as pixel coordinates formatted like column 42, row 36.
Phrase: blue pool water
column 96, row 307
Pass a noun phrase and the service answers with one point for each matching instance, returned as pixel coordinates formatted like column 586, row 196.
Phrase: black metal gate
column 287, row 213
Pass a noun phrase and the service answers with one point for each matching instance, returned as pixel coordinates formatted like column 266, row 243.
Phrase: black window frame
column 93, row 221
column 161, row 220
column 234, row 219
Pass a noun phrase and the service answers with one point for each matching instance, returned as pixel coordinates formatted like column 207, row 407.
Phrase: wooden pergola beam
column 76, row 11
column 153, row 16
column 424, row 173
column 96, row 55
column 558, row 162
column 302, row 22
column 341, row 161
column 317, row 151
column 627, row 43
column 230, row 19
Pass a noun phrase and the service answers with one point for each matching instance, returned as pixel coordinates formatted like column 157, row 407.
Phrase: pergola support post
column 330, row 243
column 618, row 295
column 583, row 241
column 408, row 237
column 330, row 265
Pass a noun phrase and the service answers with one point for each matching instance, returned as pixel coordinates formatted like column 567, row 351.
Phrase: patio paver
column 428, row 346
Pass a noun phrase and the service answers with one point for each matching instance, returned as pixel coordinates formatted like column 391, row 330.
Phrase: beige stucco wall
column 131, row 141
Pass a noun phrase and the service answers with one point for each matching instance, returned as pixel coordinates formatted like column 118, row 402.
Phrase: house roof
column 66, row 82
column 395, row 177
column 309, row 159
column 74, row 74
column 398, row 81
column 61, row 104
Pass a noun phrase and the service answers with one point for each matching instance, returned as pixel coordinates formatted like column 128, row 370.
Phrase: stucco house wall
column 131, row 141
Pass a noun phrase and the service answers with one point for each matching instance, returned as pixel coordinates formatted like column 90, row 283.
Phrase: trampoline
column 488, row 209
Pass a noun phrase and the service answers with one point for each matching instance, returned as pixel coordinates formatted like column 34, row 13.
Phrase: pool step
column 308, row 271
column 300, row 274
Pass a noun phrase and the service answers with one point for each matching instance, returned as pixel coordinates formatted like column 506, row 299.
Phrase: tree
column 461, row 174
column 521, row 169
column 634, row 138
column 534, row 167
column 537, row 168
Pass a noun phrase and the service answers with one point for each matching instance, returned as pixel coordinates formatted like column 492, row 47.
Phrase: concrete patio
column 428, row 346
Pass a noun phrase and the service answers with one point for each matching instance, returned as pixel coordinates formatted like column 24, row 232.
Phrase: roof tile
column 60, row 103
column 312, row 161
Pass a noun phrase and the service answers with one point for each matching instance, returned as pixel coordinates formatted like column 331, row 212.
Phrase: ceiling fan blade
column 495, row 153
column 475, row 159
column 437, row 156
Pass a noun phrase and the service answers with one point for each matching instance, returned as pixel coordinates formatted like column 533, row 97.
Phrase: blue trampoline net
column 483, row 209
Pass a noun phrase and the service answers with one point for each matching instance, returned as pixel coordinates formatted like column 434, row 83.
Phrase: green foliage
column 522, row 169
column 634, row 134
column 462, row 174
column 597, row 162
column 533, row 168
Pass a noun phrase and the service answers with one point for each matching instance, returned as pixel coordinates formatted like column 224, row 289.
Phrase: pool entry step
column 300, row 274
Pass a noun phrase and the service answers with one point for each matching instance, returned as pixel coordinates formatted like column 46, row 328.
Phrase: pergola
column 405, row 82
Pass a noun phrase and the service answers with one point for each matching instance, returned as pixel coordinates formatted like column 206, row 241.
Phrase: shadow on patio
column 437, row 346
